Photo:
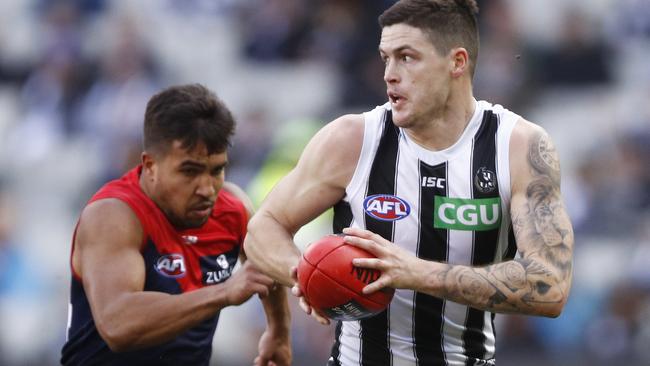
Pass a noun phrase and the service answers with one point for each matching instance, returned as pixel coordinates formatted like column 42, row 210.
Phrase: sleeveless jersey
column 450, row 206
column 176, row 261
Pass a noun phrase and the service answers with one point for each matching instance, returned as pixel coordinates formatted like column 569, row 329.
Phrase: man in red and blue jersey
column 154, row 251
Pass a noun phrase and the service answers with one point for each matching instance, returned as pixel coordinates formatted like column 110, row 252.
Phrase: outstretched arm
column 108, row 259
column 316, row 183
column 537, row 283
column 275, row 343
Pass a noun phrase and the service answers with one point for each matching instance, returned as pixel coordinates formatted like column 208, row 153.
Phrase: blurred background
column 75, row 76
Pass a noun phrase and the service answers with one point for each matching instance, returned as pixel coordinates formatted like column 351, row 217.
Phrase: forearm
column 521, row 286
column 143, row 319
column 276, row 308
column 271, row 248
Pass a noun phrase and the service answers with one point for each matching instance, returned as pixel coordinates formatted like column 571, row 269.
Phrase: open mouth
column 202, row 210
column 395, row 98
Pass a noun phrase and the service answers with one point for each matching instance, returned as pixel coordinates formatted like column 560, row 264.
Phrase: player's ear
column 460, row 61
column 147, row 162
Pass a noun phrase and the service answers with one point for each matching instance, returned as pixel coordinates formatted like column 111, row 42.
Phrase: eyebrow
column 398, row 49
column 194, row 164
column 191, row 163
column 221, row 165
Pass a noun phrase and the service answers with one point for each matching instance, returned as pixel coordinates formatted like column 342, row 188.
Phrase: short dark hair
column 448, row 23
column 190, row 113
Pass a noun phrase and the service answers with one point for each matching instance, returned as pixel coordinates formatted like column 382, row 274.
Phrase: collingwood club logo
column 485, row 180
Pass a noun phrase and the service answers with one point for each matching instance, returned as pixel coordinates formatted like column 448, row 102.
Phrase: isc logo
column 433, row 182
column 386, row 207
column 171, row 265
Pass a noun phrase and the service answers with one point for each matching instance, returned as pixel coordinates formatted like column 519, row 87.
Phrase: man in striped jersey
column 459, row 200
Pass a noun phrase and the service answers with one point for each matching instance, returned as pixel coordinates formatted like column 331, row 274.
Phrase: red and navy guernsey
column 176, row 261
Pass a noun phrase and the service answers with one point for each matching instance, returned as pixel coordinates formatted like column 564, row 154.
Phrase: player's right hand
column 246, row 282
column 304, row 305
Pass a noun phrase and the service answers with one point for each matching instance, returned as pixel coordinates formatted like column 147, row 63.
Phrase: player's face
column 185, row 183
column 417, row 77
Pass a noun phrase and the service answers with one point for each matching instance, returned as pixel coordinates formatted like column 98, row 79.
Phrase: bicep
column 319, row 179
column 299, row 198
column 108, row 245
column 541, row 225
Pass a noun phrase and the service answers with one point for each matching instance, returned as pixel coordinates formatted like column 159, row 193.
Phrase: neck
column 446, row 125
column 145, row 185
column 142, row 181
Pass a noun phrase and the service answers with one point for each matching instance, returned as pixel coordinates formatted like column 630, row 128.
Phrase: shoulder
column 340, row 138
column 332, row 153
column 532, row 151
column 125, row 190
column 103, row 215
column 343, row 130
column 528, row 137
column 107, row 227
column 522, row 133
column 525, row 129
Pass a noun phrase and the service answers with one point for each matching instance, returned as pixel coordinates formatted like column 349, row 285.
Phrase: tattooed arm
column 537, row 283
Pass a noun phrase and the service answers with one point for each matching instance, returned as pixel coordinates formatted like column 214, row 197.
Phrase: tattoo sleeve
column 537, row 282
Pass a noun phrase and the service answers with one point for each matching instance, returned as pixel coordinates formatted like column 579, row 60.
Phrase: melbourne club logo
column 485, row 180
column 171, row 265
column 222, row 261
column 386, row 207
column 218, row 269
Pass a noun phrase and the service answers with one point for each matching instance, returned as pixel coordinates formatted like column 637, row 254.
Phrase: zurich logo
column 386, row 207
column 171, row 265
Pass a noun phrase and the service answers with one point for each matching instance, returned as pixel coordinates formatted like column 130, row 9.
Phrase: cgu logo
column 171, row 265
column 467, row 214
column 386, row 207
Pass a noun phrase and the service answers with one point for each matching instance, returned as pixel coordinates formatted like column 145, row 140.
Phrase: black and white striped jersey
column 450, row 206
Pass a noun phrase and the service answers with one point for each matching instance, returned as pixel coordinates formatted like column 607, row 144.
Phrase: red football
column 332, row 285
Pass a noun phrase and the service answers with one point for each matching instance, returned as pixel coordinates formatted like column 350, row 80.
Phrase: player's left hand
column 304, row 305
column 397, row 266
column 274, row 350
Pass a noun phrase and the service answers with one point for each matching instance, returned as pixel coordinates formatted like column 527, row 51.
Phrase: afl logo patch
column 171, row 265
column 386, row 207
column 485, row 180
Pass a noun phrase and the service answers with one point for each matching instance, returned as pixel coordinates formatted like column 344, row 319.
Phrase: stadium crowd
column 75, row 76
